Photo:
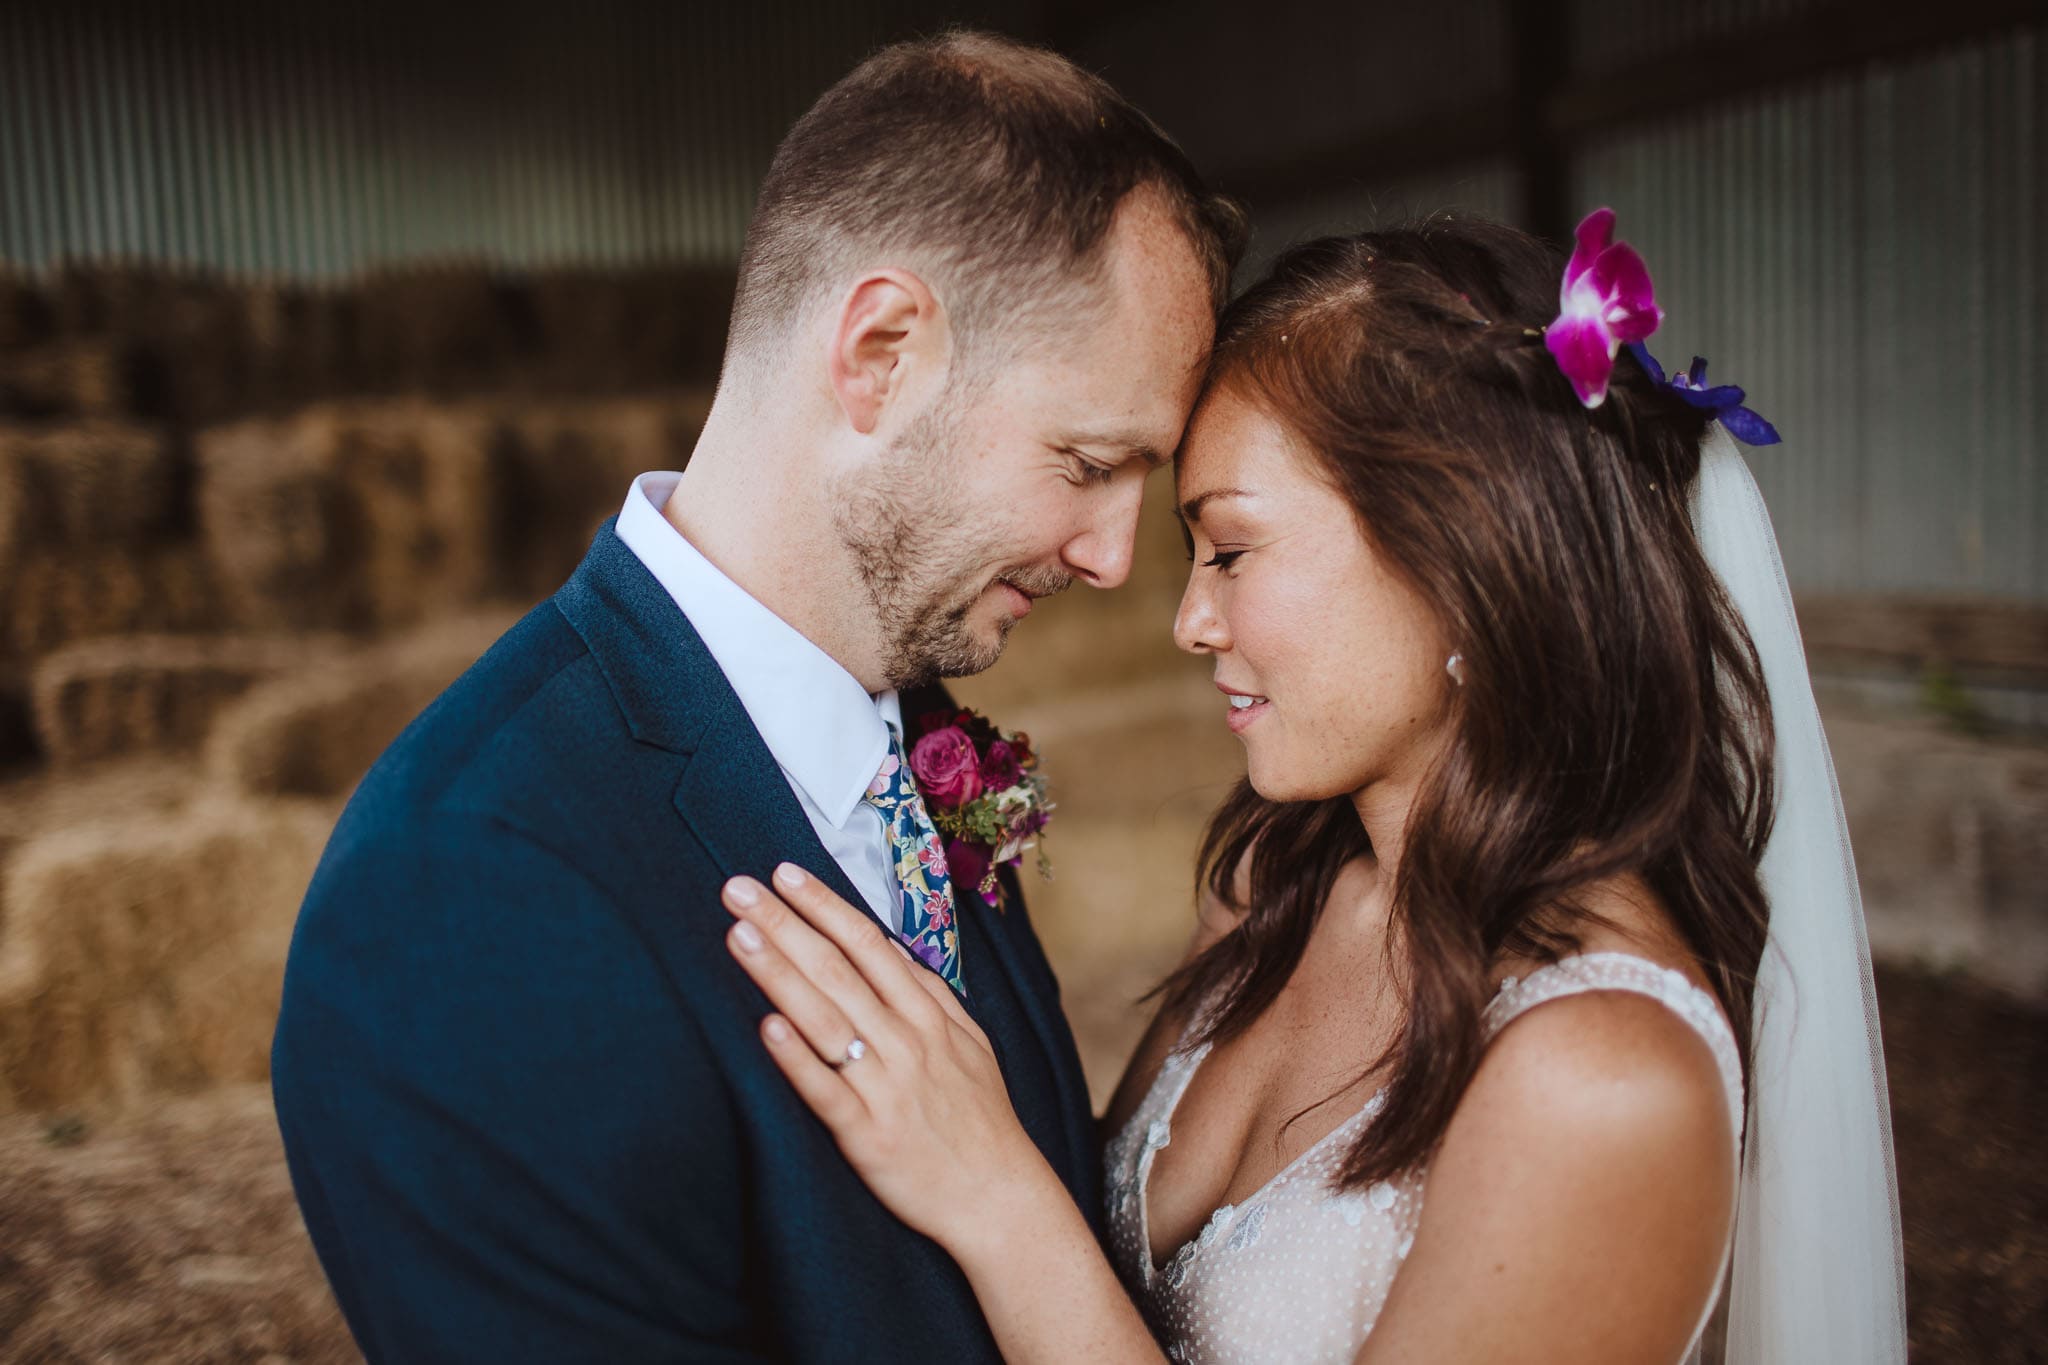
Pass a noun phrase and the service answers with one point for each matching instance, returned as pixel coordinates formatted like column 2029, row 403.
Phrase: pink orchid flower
column 1606, row 303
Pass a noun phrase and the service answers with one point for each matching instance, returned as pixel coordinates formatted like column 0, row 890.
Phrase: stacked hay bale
column 95, row 522
column 152, row 693
column 145, row 931
column 246, row 534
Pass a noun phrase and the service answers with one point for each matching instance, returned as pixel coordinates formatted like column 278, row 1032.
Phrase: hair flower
column 1721, row 402
column 1606, row 303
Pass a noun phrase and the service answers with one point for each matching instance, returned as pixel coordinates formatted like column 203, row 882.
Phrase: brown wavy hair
column 1613, row 718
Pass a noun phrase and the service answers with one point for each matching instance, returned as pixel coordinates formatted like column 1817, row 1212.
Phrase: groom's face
column 1015, row 483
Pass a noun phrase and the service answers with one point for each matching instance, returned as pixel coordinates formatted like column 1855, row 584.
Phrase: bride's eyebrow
column 1191, row 509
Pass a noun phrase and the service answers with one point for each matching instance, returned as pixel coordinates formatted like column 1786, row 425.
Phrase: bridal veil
column 1817, row 1270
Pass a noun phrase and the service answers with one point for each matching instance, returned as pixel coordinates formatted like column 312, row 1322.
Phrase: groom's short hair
column 996, row 166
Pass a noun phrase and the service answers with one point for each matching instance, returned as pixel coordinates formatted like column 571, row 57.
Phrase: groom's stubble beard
column 912, row 534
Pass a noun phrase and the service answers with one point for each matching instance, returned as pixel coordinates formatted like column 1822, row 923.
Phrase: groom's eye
column 1086, row 469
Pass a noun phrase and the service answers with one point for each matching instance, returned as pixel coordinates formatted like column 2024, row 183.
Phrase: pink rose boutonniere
column 985, row 795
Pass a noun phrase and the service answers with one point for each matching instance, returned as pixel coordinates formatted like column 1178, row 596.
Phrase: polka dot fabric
column 1299, row 1271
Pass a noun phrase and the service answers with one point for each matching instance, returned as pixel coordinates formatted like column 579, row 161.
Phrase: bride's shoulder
column 1628, row 1057
column 1595, row 1121
column 1595, row 1096
column 1590, row 1158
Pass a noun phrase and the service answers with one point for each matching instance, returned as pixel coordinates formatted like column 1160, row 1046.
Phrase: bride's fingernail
column 741, row 891
column 789, row 874
column 747, row 936
column 776, row 1029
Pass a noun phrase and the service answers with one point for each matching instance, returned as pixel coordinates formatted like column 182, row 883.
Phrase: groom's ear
column 891, row 334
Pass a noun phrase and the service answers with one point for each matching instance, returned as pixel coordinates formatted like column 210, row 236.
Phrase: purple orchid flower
column 1606, row 302
column 1723, row 402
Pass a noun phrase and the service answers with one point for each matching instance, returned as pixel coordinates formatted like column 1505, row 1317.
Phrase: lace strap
column 1586, row 972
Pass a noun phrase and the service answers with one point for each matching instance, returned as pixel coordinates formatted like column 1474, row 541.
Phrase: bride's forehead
column 1232, row 441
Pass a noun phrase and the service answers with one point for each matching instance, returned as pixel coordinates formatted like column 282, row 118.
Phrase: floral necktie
column 928, row 927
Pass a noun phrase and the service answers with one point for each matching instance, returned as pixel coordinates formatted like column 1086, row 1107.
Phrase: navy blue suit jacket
column 526, row 1109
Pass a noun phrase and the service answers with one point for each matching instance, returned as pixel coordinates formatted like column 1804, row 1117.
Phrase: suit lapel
column 736, row 800
column 732, row 795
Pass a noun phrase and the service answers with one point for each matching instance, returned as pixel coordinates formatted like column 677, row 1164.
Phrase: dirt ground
column 173, row 1238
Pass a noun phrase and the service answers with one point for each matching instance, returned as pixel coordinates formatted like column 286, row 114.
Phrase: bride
column 1527, row 1015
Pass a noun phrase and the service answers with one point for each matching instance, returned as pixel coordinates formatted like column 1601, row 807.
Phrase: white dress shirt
column 828, row 735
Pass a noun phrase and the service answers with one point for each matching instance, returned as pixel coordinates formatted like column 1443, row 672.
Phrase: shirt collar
column 822, row 727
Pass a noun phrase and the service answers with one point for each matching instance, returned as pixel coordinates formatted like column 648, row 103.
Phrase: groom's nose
column 1101, row 554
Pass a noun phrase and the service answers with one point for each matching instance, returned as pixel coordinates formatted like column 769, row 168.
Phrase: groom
column 526, row 1107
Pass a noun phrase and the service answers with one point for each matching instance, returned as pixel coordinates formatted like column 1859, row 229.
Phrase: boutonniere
column 984, row 792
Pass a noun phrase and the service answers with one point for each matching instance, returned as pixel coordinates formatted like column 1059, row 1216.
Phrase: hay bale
column 168, row 1236
column 189, row 355
column 138, row 694
column 314, row 733
column 67, row 378
column 301, row 345
column 18, row 746
column 355, row 517
column 560, row 469
column 26, row 317
column 179, row 336
column 143, row 955
column 51, row 597
column 441, row 331
column 93, row 482
column 615, row 331
column 42, row 802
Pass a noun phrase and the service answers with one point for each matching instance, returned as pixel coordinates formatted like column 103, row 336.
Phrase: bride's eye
column 1222, row 559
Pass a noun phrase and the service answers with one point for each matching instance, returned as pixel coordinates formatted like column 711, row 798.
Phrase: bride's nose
column 1198, row 626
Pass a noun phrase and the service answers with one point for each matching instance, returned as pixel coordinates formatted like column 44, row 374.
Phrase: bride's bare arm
column 924, row 1119
column 1579, row 1205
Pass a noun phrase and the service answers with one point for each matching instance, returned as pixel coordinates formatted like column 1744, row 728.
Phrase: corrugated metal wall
column 1244, row 86
column 1869, row 256
column 1606, row 37
column 317, row 140
column 1870, row 259
column 1489, row 190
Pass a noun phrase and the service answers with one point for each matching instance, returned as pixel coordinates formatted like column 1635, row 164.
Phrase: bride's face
column 1341, row 660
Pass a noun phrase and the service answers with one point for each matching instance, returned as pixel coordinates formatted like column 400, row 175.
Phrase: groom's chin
column 980, row 647
column 971, row 643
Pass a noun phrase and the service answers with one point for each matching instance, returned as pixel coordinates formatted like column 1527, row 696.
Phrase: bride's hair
column 1612, row 718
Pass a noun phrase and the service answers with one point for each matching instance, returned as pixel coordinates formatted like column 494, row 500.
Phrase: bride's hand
column 919, row 1107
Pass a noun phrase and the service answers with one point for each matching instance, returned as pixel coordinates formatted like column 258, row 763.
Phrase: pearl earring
column 1455, row 666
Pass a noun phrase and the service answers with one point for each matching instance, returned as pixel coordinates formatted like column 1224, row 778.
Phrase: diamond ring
column 855, row 1050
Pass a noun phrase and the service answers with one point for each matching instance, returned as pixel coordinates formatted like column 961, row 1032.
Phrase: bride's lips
column 1245, row 710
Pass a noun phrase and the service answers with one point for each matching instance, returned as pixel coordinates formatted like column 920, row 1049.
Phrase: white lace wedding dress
column 1299, row 1271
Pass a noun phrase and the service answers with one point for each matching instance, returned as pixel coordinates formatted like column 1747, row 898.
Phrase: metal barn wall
column 1870, row 259
column 1491, row 189
column 1868, row 255
column 1606, row 37
column 315, row 141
